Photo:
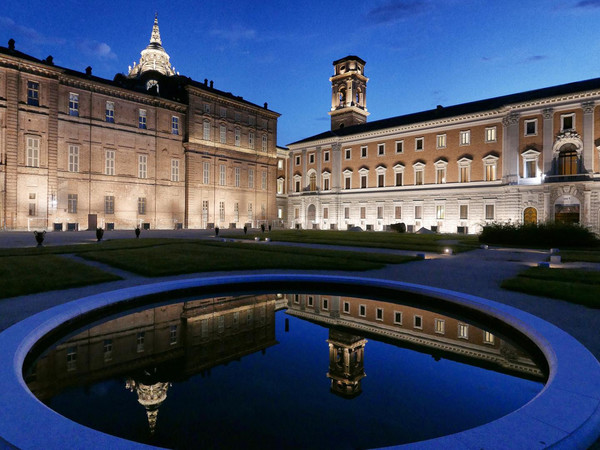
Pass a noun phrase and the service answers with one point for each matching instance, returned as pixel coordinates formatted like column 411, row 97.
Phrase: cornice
column 237, row 102
column 30, row 66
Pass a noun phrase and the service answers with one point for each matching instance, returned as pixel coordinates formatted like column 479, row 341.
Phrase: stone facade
column 151, row 148
column 519, row 158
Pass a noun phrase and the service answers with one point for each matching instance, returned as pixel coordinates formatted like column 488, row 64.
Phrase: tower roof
column 154, row 57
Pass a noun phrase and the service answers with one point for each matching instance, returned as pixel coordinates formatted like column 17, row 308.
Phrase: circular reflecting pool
column 298, row 369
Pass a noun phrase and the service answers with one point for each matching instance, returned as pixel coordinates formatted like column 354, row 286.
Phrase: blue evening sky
column 419, row 53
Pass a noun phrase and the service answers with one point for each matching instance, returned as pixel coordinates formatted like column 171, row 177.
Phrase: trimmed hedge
column 544, row 235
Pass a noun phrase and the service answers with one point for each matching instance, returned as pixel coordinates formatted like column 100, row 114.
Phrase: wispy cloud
column 96, row 49
column 396, row 10
column 535, row 58
column 235, row 34
column 588, row 4
column 29, row 34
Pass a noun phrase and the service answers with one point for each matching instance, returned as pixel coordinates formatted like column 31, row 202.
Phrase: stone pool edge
column 565, row 414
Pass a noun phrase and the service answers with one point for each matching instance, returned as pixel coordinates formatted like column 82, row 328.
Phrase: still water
column 283, row 371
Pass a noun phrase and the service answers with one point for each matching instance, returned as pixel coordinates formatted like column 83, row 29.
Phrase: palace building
column 151, row 148
column 526, row 157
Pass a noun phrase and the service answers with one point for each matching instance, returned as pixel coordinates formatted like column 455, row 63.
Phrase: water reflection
column 150, row 352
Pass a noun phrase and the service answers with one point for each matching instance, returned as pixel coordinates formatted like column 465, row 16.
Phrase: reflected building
column 346, row 363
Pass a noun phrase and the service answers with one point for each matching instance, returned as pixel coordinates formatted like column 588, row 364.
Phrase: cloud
column 588, row 4
column 235, row 34
column 28, row 34
column 535, row 58
column 96, row 49
column 396, row 10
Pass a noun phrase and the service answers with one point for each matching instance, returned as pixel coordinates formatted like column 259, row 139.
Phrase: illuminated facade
column 527, row 157
column 151, row 148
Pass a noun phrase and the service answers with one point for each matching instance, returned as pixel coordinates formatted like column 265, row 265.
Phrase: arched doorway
column 530, row 216
column 311, row 215
column 567, row 209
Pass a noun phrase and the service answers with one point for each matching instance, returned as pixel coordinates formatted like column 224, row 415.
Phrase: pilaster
column 548, row 142
column 11, row 152
column 510, row 151
column 588, row 137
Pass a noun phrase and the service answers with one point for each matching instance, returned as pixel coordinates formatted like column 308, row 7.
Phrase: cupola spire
column 154, row 57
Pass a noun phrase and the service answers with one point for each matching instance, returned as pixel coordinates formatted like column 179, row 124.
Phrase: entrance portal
column 567, row 209
column 530, row 216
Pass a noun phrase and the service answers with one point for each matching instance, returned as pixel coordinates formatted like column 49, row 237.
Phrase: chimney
column 88, row 71
column 11, row 45
column 211, row 84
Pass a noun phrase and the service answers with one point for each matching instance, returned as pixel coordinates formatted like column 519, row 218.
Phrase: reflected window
column 346, row 307
column 463, row 331
column 397, row 318
column 418, row 322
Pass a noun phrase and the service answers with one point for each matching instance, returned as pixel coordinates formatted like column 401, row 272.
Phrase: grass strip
column 200, row 256
column 396, row 241
column 573, row 285
column 580, row 255
column 22, row 275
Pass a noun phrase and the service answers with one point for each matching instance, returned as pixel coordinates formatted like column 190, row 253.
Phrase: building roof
column 442, row 112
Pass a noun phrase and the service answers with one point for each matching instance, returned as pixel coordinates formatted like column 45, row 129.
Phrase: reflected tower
column 150, row 396
column 346, row 363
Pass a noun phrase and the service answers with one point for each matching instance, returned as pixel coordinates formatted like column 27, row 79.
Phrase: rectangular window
column 363, row 152
column 251, row 140
column 174, row 125
column 362, row 310
column 204, row 212
column 440, row 175
column 33, row 151
column 222, row 212
column 174, row 170
column 418, row 322
column 419, row 176
column 440, row 326
column 141, row 337
column 223, row 134
column 397, row 318
column 380, row 212
column 238, row 137
column 72, row 203
column 264, row 142
column 380, row 149
column 236, row 212
column 33, row 93
column 326, row 156
column 439, row 212
column 567, row 122
column 347, row 181
column 250, row 213
column 142, row 119
column 363, row 212
column 280, row 186
column 109, row 166
column 379, row 314
column 73, row 104
column 380, row 180
column 107, row 349
column 297, row 186
column 465, row 137
column 264, row 180
column 346, row 212
column 173, row 335
column 141, row 205
column 238, row 174
column 222, row 175
column 363, row 181
column 296, row 213
column 109, row 204
column 251, row 120
column 32, row 204
column 110, row 112
column 325, row 213
column 419, row 144
column 489, row 212
column 463, row 212
column 206, row 173
column 490, row 172
column 440, row 141
column 206, row 130
column 530, row 168
column 399, row 146
column 463, row 174
column 418, row 212
column 347, row 307
column 237, row 116
column 326, row 186
column 311, row 158
column 250, row 178
column 223, row 112
column 206, row 108
column 398, row 212
column 399, row 176
column 490, row 134
column 531, row 127
column 298, row 160
column 73, row 158
column 348, row 153
column 463, row 331
column 142, row 166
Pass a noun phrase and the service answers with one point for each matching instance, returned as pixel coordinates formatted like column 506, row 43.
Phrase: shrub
column 551, row 234
column 398, row 227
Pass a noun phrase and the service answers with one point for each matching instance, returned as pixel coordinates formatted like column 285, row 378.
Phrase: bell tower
column 348, row 93
column 346, row 363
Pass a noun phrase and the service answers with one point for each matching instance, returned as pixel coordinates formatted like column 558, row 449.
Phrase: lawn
column 573, row 285
column 391, row 240
column 22, row 275
column 29, row 270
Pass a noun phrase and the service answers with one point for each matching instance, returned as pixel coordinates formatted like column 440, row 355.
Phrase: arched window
column 567, row 162
column 342, row 97
column 530, row 216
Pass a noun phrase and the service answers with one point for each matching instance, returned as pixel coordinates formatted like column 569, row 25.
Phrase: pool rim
column 573, row 381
